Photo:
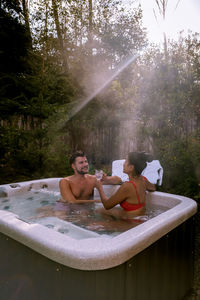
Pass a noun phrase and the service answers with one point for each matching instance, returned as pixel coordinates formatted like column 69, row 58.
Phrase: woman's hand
column 98, row 184
column 104, row 178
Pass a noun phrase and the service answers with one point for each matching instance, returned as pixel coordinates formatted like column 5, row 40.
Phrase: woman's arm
column 115, row 199
column 150, row 186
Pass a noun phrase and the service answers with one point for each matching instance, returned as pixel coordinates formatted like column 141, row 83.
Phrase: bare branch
column 155, row 15
column 160, row 11
column 177, row 4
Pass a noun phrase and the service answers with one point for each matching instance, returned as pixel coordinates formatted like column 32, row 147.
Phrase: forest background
column 57, row 59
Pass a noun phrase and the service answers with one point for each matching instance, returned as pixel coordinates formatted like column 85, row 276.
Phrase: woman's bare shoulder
column 125, row 186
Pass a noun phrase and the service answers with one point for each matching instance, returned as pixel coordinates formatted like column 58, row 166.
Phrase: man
column 79, row 187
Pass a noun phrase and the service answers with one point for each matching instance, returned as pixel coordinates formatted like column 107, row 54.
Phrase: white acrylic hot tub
column 94, row 252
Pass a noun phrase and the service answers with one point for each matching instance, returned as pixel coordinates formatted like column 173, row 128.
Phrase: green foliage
column 159, row 92
column 15, row 44
column 169, row 114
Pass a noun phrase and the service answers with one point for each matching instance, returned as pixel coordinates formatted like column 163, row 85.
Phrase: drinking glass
column 99, row 174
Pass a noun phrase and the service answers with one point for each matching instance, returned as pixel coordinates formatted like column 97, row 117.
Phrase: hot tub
column 151, row 261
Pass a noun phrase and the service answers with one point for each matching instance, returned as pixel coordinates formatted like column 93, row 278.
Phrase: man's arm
column 111, row 179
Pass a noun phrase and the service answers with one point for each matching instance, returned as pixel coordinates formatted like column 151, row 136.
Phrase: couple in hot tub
column 79, row 187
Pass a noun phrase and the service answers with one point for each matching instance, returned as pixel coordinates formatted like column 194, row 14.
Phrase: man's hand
column 110, row 179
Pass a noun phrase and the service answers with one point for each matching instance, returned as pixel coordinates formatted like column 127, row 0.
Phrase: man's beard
column 81, row 172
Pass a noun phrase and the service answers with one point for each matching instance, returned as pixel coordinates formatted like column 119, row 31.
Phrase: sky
column 185, row 17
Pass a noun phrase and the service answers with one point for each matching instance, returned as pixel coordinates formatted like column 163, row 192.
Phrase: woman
column 132, row 194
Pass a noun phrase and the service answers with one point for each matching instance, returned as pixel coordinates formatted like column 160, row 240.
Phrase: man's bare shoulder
column 90, row 176
column 72, row 178
column 67, row 179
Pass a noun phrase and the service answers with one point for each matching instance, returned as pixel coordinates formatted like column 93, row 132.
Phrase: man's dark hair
column 78, row 153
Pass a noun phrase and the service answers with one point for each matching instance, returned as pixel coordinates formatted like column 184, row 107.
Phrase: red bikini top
column 130, row 206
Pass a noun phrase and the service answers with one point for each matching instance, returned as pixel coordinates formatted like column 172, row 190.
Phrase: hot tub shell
column 151, row 261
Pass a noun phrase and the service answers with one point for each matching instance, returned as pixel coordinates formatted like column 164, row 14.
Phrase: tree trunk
column 90, row 29
column 60, row 39
column 81, row 18
column 26, row 18
column 46, row 31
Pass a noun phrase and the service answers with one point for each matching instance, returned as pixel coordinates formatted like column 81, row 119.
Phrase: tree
column 162, row 10
column 169, row 112
column 60, row 39
column 33, row 86
column 26, row 17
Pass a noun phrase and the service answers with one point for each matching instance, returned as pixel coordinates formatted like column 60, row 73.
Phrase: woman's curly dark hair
column 139, row 160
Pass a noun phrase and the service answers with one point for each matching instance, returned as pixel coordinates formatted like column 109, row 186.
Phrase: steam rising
column 104, row 84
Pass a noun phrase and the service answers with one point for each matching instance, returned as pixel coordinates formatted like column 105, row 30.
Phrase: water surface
column 39, row 206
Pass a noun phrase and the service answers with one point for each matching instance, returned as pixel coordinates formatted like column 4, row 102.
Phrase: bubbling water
column 41, row 206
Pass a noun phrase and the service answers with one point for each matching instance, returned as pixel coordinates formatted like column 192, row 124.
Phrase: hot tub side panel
column 162, row 271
